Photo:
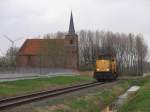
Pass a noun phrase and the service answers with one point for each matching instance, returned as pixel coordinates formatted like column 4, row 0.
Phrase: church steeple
column 71, row 26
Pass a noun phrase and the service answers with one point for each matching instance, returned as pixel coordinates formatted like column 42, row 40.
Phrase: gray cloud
column 37, row 17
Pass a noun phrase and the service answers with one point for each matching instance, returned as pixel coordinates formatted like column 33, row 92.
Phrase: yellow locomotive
column 105, row 68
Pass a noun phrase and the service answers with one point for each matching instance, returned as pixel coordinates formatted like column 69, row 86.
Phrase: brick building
column 50, row 53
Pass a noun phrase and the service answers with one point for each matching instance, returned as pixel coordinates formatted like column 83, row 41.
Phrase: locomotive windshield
column 104, row 57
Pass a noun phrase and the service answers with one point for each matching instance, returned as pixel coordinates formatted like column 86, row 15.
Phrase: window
column 71, row 41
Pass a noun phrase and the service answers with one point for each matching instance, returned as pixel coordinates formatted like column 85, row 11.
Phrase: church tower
column 72, row 45
column 71, row 26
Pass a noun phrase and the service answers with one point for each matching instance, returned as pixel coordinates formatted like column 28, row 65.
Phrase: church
column 51, row 53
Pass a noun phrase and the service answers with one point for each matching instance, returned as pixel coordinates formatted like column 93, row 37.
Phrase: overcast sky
column 31, row 18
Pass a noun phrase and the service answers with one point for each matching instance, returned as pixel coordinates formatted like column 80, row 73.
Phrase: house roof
column 35, row 46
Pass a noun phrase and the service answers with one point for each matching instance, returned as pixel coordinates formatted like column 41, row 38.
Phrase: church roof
column 36, row 46
column 71, row 26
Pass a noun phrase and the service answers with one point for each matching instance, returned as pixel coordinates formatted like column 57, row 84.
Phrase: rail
column 20, row 100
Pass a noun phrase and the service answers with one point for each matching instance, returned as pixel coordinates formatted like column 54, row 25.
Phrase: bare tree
column 11, row 55
column 130, row 50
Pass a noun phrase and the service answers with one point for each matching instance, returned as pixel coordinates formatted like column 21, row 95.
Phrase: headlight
column 107, row 69
column 97, row 69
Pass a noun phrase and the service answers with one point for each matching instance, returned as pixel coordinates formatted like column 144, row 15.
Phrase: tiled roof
column 35, row 46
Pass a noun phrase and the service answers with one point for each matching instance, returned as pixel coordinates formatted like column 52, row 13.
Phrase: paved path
column 19, row 76
column 34, row 77
column 146, row 74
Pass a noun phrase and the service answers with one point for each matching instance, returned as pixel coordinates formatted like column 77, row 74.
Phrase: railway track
column 24, row 99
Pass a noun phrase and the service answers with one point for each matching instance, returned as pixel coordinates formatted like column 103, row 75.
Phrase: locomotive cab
column 105, row 68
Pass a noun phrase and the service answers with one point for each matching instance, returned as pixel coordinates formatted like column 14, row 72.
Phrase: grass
column 93, row 102
column 141, row 101
column 13, row 88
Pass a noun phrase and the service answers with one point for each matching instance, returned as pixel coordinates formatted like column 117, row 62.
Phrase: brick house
column 50, row 53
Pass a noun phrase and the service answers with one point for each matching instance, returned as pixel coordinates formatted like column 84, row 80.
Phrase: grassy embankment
column 91, row 102
column 141, row 101
column 18, row 87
